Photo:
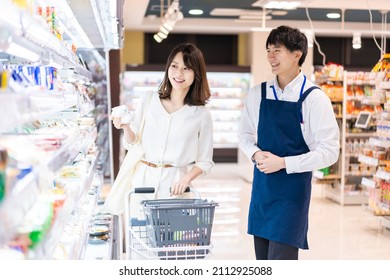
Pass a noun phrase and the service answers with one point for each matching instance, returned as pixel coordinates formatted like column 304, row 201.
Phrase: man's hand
column 268, row 162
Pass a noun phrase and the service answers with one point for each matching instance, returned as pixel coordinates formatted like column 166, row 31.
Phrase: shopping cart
column 172, row 229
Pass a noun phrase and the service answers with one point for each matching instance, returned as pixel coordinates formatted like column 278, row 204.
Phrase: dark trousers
column 270, row 250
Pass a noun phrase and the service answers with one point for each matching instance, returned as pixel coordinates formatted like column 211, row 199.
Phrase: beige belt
column 156, row 165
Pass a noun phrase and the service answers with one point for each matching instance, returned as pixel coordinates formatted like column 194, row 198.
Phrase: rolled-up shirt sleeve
column 319, row 129
column 204, row 159
column 322, row 135
column 247, row 132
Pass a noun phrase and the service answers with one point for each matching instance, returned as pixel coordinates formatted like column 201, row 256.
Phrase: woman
column 178, row 132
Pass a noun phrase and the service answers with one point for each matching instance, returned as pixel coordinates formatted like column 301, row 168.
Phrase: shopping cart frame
column 138, row 242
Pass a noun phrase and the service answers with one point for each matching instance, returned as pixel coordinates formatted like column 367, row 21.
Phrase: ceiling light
column 162, row 35
column 171, row 16
column 236, row 12
column 168, row 26
column 157, row 38
column 333, row 15
column 356, row 40
column 195, row 12
column 283, row 5
column 164, row 30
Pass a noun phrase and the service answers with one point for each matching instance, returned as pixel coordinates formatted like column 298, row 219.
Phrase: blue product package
column 24, row 170
column 37, row 76
column 49, row 77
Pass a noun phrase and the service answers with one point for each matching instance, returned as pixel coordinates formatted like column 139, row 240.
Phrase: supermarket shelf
column 15, row 207
column 10, row 105
column 384, row 85
column 380, row 174
column 74, row 112
column 67, row 153
column 319, row 175
column 368, row 160
column 77, row 74
column 332, row 194
column 45, row 250
column 368, row 182
column 34, row 35
column 376, row 141
column 348, row 199
column 359, row 134
column 20, row 108
column 385, row 222
column 355, row 199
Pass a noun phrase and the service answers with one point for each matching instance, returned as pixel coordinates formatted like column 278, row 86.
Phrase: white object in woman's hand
column 121, row 115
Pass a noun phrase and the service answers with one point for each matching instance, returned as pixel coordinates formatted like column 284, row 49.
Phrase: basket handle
column 189, row 189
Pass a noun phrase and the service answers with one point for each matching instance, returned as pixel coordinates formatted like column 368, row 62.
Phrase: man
column 288, row 129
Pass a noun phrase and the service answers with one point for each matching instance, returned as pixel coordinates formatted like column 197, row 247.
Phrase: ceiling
column 144, row 15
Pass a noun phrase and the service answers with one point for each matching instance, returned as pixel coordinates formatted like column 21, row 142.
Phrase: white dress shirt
column 320, row 129
column 181, row 138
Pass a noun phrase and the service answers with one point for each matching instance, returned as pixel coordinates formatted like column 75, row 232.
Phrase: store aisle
column 335, row 232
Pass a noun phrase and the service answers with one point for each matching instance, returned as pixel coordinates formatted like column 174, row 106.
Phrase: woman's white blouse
column 181, row 138
column 320, row 129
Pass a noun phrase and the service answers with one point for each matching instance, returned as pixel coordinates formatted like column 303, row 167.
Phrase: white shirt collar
column 293, row 86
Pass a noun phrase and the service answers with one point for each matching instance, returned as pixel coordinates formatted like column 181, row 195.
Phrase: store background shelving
column 228, row 91
column 358, row 94
column 378, row 185
column 54, row 105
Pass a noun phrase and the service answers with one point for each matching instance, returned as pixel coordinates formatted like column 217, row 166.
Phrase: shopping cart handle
column 144, row 190
column 188, row 189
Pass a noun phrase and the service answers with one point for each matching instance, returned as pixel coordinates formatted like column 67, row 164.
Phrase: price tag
column 368, row 183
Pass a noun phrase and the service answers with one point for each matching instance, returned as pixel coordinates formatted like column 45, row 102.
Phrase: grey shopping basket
column 172, row 229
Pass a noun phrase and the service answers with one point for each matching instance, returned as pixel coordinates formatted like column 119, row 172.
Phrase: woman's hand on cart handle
column 192, row 190
column 187, row 190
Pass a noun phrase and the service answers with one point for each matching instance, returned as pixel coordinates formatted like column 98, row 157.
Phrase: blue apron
column 279, row 204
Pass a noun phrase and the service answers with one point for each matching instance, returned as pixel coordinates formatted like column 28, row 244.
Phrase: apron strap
column 264, row 90
column 303, row 97
column 306, row 93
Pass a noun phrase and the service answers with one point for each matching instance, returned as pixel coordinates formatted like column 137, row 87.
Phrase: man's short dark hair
column 292, row 38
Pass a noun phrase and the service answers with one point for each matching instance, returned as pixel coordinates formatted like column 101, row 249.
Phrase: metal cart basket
column 172, row 229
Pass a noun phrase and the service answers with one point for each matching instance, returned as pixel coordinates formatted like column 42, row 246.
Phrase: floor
column 335, row 232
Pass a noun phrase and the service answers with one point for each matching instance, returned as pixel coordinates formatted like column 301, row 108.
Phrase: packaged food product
column 3, row 177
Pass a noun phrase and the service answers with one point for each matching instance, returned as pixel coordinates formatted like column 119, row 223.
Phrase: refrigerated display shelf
column 74, row 202
column 18, row 202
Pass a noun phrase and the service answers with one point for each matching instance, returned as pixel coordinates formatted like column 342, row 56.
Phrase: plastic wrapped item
column 122, row 112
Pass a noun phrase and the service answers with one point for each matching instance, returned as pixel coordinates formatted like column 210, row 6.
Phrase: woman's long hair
column 199, row 91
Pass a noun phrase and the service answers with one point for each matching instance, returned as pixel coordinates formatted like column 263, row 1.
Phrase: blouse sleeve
column 204, row 158
column 136, row 122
